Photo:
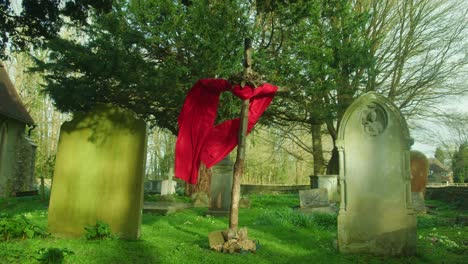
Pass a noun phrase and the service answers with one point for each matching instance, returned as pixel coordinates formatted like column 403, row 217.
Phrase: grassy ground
column 284, row 237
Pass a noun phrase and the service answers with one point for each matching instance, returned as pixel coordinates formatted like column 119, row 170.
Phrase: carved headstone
column 376, row 212
column 99, row 173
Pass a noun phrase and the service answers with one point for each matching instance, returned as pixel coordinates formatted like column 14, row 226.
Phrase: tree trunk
column 239, row 165
column 204, row 182
column 239, row 168
column 333, row 165
column 317, row 148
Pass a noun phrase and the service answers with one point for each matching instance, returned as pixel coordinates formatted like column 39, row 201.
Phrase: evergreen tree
column 39, row 20
column 145, row 62
column 460, row 164
column 440, row 155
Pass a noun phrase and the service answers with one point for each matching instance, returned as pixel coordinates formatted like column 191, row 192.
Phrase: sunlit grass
column 284, row 236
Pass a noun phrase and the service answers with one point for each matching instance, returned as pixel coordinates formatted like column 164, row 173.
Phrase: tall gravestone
column 99, row 173
column 221, row 187
column 376, row 213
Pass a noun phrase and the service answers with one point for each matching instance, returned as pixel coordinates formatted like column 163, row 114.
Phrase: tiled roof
column 435, row 164
column 10, row 102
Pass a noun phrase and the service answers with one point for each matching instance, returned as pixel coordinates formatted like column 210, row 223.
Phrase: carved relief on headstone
column 376, row 212
column 373, row 119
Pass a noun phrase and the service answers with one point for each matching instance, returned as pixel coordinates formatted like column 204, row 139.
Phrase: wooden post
column 239, row 165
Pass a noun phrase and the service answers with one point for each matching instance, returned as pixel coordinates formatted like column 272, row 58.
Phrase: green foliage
column 440, row 155
column 52, row 255
column 167, row 198
column 437, row 239
column 147, row 62
column 460, row 164
column 274, row 201
column 41, row 20
column 100, row 231
column 182, row 238
column 428, row 221
column 18, row 227
column 287, row 217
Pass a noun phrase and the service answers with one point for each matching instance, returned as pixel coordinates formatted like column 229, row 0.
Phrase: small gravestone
column 221, row 187
column 315, row 201
column 99, row 173
column 168, row 187
column 376, row 213
column 330, row 182
column 153, row 186
column 313, row 198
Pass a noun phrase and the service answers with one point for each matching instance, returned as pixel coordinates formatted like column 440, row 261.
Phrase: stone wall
column 260, row 189
column 11, row 132
column 24, row 173
column 455, row 195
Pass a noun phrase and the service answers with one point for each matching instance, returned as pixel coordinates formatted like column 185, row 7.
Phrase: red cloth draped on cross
column 199, row 139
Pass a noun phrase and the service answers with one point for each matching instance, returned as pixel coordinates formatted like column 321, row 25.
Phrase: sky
column 459, row 104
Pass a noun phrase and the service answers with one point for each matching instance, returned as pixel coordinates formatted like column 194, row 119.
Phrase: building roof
column 10, row 102
column 436, row 165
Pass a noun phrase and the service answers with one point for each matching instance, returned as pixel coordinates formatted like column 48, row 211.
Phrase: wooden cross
column 248, row 77
column 239, row 165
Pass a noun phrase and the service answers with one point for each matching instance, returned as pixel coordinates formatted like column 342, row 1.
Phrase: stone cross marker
column 376, row 213
column 99, row 173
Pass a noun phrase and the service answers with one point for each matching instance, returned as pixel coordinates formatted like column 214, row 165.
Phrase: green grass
column 284, row 235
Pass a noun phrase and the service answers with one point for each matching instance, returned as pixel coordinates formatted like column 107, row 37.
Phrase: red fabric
column 198, row 139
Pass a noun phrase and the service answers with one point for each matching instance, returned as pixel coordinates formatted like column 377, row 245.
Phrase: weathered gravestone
column 313, row 198
column 330, row 182
column 99, row 173
column 168, row 187
column 376, row 213
column 315, row 201
column 221, row 187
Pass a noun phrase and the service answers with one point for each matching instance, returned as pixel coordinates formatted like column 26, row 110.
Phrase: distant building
column 438, row 173
column 17, row 151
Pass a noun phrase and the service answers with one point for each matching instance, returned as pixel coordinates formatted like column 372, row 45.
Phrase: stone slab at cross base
column 99, row 173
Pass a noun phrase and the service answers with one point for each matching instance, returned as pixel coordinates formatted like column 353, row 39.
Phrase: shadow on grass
column 126, row 251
